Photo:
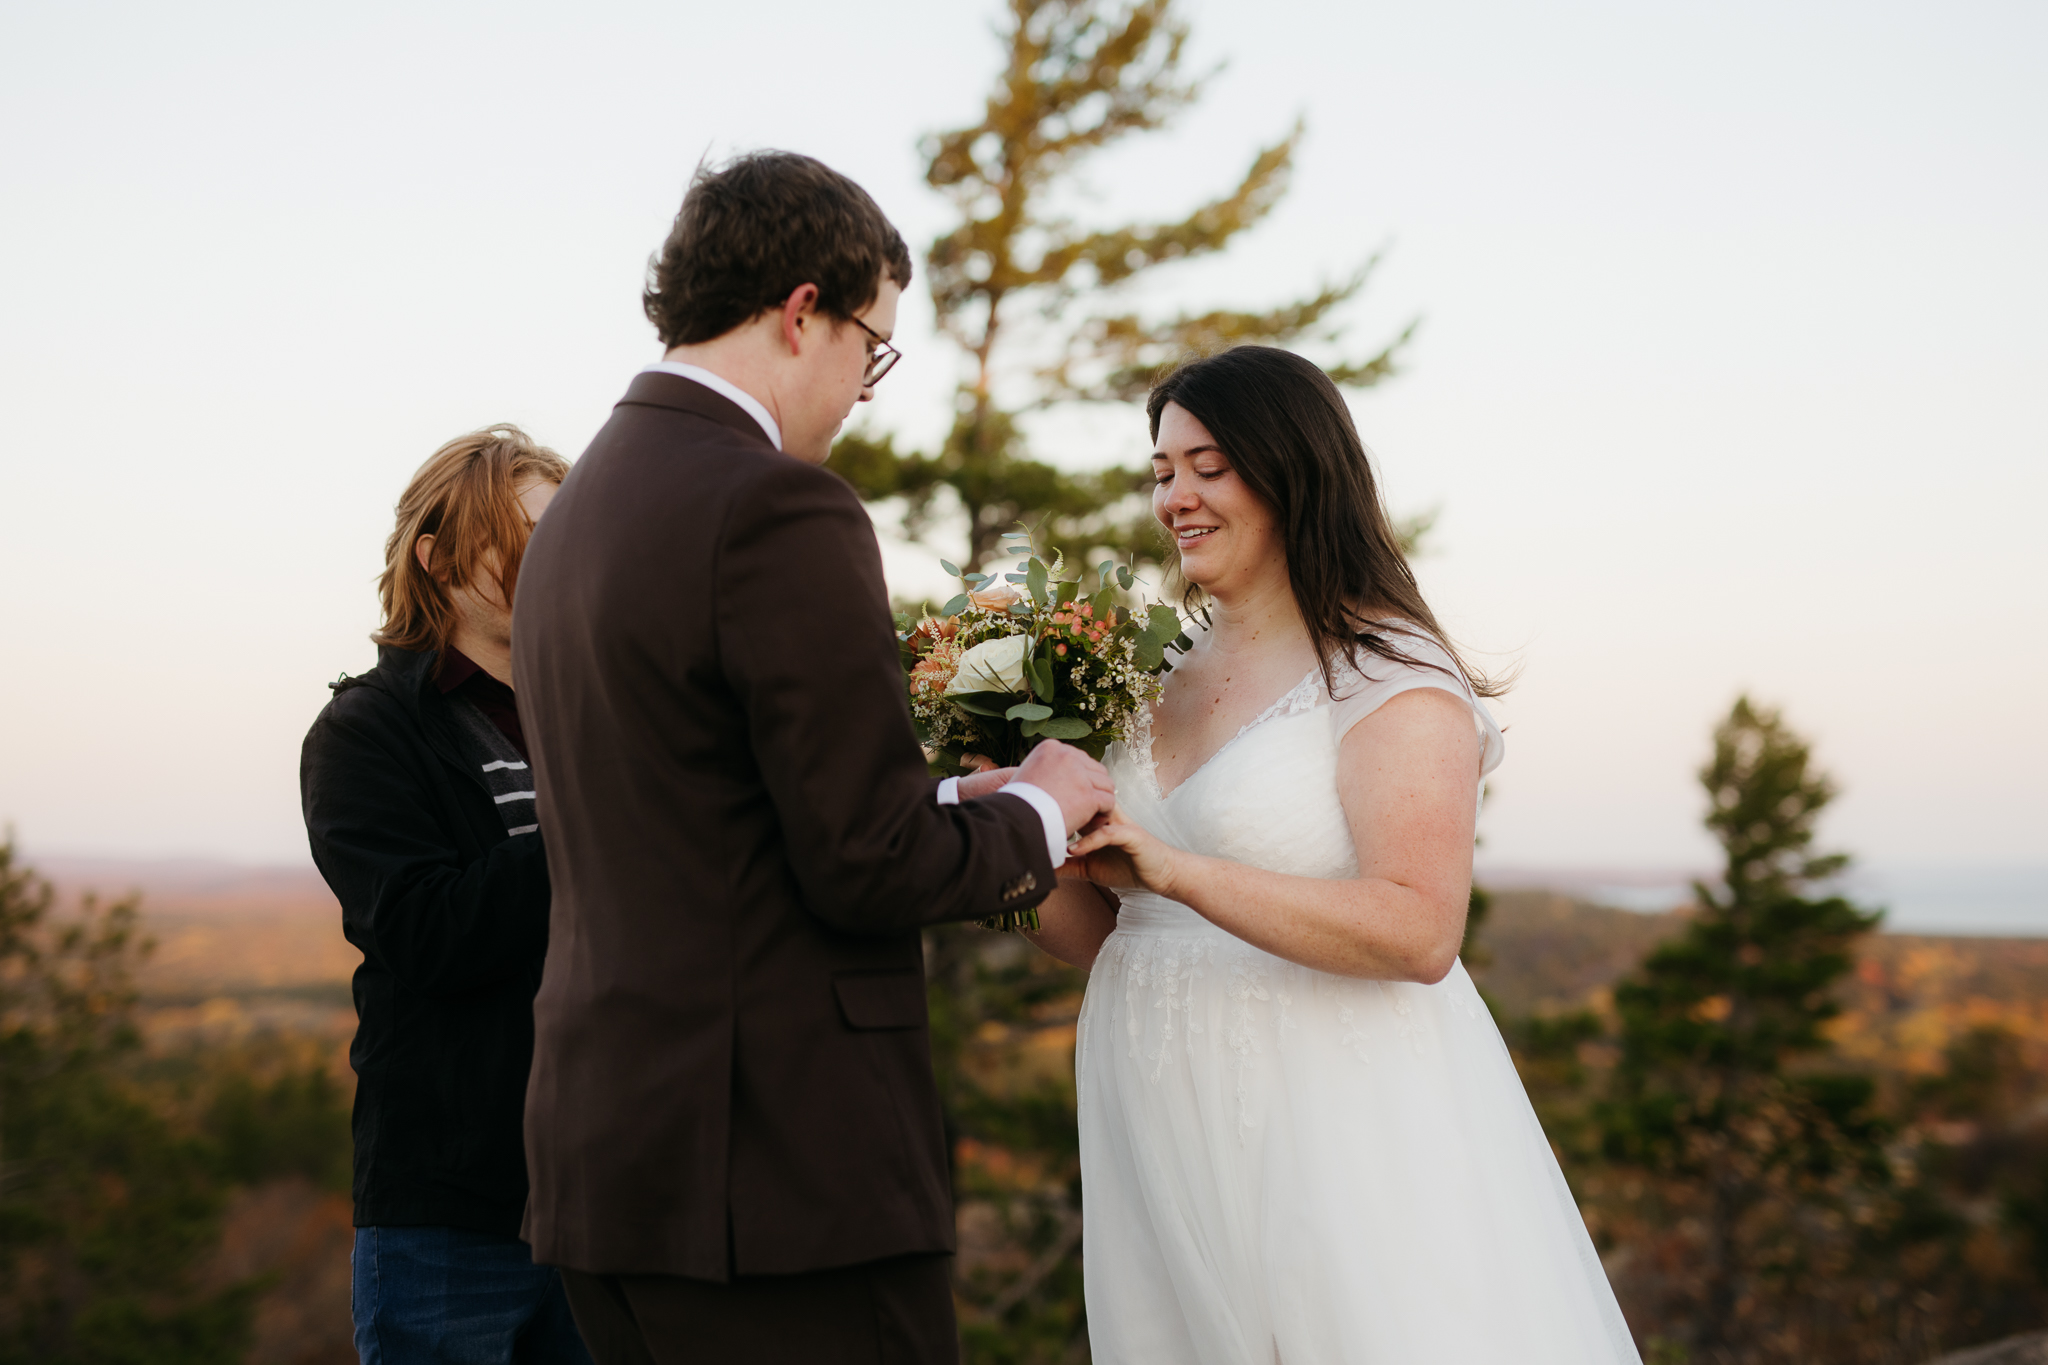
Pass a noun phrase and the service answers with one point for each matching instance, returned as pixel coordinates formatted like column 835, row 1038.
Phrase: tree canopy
column 112, row 1188
column 1078, row 76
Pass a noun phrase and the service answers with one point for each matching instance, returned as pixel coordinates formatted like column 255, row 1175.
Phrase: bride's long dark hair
column 1288, row 434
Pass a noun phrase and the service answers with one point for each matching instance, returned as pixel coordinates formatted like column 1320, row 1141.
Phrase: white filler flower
column 992, row 666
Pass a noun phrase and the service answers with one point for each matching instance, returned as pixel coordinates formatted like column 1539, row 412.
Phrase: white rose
column 992, row 666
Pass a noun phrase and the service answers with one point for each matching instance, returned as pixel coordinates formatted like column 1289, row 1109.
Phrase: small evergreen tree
column 1719, row 1089
column 105, row 1208
column 1078, row 76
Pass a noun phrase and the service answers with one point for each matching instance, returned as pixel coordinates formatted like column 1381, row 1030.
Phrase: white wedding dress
column 1280, row 1166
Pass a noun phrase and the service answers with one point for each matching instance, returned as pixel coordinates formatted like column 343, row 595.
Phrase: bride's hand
column 1125, row 853
column 986, row 779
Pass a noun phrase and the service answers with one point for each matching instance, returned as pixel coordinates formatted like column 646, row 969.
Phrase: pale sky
column 1729, row 376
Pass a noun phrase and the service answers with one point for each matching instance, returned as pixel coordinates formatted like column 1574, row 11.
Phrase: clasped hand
column 1077, row 782
column 1108, row 847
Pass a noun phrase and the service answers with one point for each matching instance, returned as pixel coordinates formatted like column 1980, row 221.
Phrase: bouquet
column 1006, row 664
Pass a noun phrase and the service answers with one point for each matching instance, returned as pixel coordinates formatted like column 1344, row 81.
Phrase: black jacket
column 451, row 915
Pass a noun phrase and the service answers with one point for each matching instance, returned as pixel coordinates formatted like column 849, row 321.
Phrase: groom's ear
column 801, row 304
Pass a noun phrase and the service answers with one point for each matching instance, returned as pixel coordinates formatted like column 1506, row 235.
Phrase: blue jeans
column 444, row 1296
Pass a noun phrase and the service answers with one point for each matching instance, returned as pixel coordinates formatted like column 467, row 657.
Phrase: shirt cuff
column 1040, row 800
column 949, row 792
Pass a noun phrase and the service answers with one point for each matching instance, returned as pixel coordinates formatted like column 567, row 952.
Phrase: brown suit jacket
column 732, row 1072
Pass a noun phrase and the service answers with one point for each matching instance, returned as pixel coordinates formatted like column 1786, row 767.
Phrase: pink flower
column 935, row 670
column 931, row 631
column 995, row 598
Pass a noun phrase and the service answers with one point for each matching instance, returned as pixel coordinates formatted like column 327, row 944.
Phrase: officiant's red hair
column 466, row 496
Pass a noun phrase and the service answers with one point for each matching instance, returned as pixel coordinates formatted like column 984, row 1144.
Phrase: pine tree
column 1078, row 76
column 1720, row 1089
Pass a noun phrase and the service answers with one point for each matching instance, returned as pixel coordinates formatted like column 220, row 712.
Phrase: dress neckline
column 1289, row 702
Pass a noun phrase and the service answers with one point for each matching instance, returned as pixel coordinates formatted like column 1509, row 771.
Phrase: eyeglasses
column 881, row 359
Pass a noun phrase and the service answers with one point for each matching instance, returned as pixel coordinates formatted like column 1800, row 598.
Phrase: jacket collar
column 672, row 391
column 411, row 673
column 409, row 678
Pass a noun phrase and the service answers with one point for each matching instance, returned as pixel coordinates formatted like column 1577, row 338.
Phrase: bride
column 1302, row 1140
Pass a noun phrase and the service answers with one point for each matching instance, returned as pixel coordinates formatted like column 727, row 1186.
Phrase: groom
column 731, row 1126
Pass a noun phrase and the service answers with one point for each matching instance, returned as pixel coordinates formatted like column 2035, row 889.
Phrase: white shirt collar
column 724, row 387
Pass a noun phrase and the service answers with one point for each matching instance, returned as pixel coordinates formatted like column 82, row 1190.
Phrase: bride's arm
column 1075, row 919
column 1408, row 779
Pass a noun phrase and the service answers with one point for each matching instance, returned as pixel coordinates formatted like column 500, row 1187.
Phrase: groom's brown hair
column 752, row 232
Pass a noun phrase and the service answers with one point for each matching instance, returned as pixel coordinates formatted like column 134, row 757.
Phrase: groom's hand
column 1110, row 867
column 1070, row 777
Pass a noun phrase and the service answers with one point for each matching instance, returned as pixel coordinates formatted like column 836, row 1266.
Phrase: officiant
column 419, row 804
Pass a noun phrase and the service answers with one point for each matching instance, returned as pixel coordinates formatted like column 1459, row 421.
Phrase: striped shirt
column 493, row 739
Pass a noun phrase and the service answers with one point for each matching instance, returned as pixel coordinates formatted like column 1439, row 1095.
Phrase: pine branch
column 877, row 470
column 1128, row 354
column 1079, row 78
column 1114, row 256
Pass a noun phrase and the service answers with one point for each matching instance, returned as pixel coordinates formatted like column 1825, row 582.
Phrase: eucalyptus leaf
column 1027, row 710
column 1034, row 582
column 955, row 606
column 950, row 567
column 1163, row 620
column 1150, row 652
column 1124, row 577
column 1065, row 727
column 976, row 577
column 1030, row 728
column 1041, row 677
column 1066, row 593
column 1020, row 608
column 1183, row 643
column 990, row 704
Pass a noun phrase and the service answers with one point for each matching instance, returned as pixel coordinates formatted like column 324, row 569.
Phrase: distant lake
column 1916, row 900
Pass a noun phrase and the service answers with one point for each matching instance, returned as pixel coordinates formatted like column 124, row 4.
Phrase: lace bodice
column 1268, row 798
